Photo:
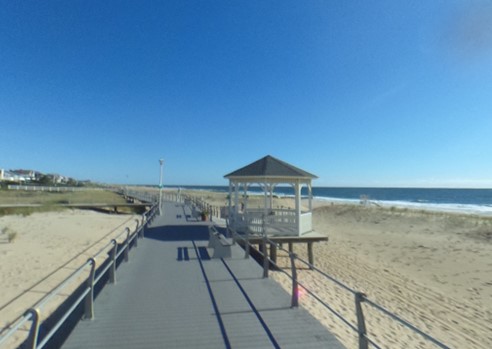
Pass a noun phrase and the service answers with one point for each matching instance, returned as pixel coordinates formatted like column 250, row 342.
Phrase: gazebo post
column 310, row 197
column 236, row 201
column 265, row 203
column 245, row 196
column 298, row 206
column 229, row 212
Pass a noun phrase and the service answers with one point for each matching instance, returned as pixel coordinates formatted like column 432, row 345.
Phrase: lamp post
column 161, row 162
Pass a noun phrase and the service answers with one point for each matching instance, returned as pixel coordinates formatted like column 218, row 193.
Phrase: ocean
column 458, row 200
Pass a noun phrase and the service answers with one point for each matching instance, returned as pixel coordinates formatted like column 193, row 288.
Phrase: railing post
column 265, row 256
column 112, row 270
column 142, row 233
column 246, row 247
column 295, row 287
column 89, row 299
column 136, row 235
column 361, row 325
column 127, row 244
column 32, row 339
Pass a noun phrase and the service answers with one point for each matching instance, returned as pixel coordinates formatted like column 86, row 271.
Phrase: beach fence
column 361, row 300
column 37, row 328
column 51, row 188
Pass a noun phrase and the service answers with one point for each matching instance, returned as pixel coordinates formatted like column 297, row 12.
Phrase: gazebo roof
column 270, row 167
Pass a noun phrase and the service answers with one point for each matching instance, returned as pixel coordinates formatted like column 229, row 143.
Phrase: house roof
column 270, row 167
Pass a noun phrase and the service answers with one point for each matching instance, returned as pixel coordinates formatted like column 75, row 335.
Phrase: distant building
column 19, row 176
column 24, row 175
column 56, row 178
column 10, row 176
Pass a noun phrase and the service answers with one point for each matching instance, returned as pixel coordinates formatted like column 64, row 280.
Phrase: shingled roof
column 270, row 167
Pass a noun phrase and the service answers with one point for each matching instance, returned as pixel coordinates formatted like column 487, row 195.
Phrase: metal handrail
column 87, row 294
column 360, row 297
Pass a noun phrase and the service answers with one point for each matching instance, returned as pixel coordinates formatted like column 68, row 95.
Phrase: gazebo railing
column 272, row 223
column 306, row 222
column 277, row 221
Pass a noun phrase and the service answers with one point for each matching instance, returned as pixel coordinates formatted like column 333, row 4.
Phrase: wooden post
column 295, row 287
column 310, row 254
column 291, row 247
column 273, row 252
column 361, row 326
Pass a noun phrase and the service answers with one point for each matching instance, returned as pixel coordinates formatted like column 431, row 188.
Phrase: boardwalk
column 171, row 294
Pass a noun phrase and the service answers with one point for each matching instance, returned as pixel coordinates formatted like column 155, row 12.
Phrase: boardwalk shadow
column 178, row 233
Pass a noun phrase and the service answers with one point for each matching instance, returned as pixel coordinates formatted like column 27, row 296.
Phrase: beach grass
column 18, row 197
column 53, row 201
column 8, row 234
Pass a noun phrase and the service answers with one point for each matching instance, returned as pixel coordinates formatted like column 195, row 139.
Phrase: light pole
column 161, row 162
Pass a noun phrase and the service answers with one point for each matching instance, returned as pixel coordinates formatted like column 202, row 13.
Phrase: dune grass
column 18, row 197
column 8, row 234
column 52, row 201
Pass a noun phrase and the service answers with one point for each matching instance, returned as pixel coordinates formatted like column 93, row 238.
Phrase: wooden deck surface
column 171, row 294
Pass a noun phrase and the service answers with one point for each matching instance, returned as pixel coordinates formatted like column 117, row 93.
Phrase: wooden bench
column 220, row 244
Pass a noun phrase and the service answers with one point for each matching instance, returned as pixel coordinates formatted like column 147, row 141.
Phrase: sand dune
column 432, row 269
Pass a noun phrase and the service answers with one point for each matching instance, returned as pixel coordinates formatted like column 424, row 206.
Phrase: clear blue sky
column 360, row 93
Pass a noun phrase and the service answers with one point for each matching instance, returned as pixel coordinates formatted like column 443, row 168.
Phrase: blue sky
column 360, row 93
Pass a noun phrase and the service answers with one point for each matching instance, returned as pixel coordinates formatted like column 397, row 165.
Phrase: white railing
column 306, row 222
column 275, row 222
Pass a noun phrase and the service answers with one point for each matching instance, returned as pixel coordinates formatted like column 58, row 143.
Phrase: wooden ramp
column 171, row 294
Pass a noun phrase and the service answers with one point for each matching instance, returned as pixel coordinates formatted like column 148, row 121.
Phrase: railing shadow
column 178, row 233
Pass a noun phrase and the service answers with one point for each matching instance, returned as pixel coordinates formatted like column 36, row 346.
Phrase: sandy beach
column 433, row 269
column 46, row 249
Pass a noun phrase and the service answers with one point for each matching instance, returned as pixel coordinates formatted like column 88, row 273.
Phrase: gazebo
column 267, row 173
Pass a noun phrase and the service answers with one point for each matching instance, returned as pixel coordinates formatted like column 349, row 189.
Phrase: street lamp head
column 161, row 161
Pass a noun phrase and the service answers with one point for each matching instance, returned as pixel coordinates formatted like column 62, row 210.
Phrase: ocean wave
column 455, row 208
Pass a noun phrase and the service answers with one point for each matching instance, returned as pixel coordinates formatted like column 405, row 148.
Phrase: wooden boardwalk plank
column 170, row 295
